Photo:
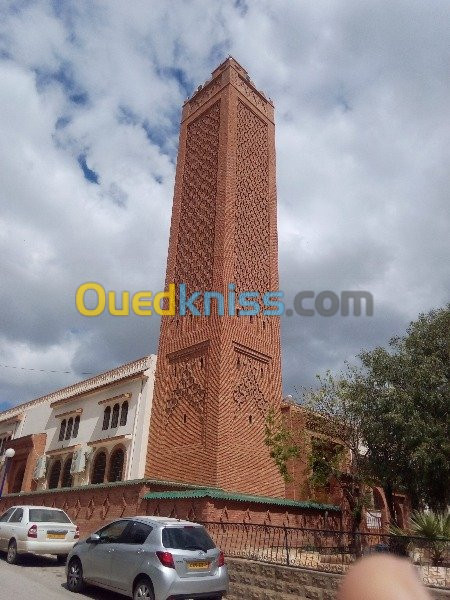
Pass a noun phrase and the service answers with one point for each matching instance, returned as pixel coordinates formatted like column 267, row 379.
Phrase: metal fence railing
column 331, row 551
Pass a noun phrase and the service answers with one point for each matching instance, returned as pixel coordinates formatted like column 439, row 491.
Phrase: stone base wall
column 259, row 581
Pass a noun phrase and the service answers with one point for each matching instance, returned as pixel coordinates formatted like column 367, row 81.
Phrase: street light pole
column 9, row 455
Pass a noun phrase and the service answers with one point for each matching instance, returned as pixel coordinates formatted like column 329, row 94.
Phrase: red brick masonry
column 91, row 507
column 217, row 377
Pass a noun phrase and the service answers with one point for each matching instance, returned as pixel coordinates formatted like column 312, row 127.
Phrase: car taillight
column 221, row 560
column 166, row 559
column 32, row 532
column 77, row 533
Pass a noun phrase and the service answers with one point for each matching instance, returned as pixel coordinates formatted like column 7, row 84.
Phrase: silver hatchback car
column 152, row 558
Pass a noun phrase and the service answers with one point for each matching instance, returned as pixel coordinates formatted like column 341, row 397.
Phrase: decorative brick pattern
column 223, row 230
column 245, row 86
column 250, row 379
column 251, row 233
column 91, row 507
column 186, row 403
column 252, row 95
column 195, row 243
column 206, row 92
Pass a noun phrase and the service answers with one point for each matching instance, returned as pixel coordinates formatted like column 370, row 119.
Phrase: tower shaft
column 218, row 376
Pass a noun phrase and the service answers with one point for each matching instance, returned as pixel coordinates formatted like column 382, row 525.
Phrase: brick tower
column 218, row 376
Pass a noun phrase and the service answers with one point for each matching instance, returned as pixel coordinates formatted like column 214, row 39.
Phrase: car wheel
column 61, row 558
column 75, row 581
column 143, row 590
column 12, row 556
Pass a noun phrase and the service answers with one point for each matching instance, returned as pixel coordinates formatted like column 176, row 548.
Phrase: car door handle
column 111, row 550
column 139, row 551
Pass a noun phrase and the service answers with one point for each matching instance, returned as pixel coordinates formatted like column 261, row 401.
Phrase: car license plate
column 199, row 565
column 55, row 536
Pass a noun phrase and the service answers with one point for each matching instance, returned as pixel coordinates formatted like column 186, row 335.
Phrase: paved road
column 40, row 578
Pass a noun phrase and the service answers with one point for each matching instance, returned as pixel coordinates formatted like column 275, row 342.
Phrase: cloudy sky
column 90, row 100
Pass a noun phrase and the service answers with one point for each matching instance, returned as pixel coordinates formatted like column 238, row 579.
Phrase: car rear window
column 42, row 515
column 187, row 537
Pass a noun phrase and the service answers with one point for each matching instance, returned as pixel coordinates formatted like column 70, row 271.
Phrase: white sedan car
column 36, row 529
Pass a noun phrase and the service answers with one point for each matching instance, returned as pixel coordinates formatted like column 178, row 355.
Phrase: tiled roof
column 224, row 495
column 87, row 385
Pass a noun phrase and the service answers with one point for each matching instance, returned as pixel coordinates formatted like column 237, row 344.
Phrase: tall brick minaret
column 217, row 377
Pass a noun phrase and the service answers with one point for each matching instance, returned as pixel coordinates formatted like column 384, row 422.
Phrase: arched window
column 116, row 465
column 55, row 471
column 98, row 470
column 124, row 414
column 67, row 476
column 115, row 416
column 62, row 430
column 106, row 418
column 69, row 428
column 76, row 426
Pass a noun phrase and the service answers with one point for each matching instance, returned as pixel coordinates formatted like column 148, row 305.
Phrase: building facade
column 92, row 432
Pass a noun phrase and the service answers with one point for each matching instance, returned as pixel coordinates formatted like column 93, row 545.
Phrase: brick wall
column 258, row 581
column 91, row 507
column 217, row 377
column 227, row 511
column 293, row 418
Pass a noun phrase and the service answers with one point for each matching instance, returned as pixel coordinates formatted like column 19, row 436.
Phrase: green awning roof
column 100, row 486
column 224, row 495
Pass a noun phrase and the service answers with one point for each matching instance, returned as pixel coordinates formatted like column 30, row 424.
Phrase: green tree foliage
column 409, row 390
column 324, row 462
column 336, row 456
column 394, row 410
column 279, row 441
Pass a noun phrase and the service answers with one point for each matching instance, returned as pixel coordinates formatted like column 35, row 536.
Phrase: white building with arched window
column 92, row 432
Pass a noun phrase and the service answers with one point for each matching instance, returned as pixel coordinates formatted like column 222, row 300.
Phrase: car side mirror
column 94, row 538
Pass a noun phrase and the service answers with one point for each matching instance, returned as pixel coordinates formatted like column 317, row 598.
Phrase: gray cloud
column 361, row 93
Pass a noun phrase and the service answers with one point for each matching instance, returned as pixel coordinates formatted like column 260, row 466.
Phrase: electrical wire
column 42, row 370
